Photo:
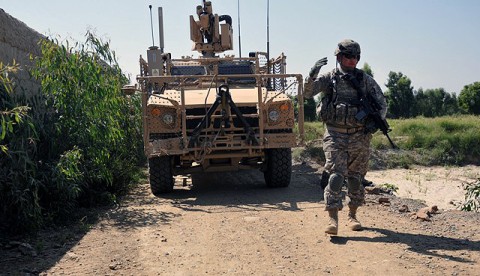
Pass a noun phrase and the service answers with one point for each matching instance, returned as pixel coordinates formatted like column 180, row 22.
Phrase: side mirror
column 129, row 89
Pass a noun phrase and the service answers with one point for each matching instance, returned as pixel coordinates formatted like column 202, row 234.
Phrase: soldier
column 346, row 141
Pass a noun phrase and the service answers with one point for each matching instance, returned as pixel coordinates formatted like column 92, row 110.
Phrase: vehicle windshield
column 188, row 70
column 224, row 68
column 237, row 68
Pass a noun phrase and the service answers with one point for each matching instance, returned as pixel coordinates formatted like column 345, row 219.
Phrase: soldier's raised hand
column 316, row 67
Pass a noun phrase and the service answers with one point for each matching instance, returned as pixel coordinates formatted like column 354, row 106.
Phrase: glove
column 316, row 68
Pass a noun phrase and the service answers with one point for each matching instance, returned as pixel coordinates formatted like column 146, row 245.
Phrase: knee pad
column 336, row 182
column 353, row 183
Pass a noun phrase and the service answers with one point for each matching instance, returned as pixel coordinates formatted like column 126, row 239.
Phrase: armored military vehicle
column 217, row 114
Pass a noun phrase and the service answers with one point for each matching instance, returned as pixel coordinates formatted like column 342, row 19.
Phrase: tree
column 367, row 69
column 399, row 96
column 421, row 103
column 435, row 102
column 450, row 104
column 469, row 98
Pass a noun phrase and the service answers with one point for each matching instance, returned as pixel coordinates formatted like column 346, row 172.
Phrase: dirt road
column 234, row 225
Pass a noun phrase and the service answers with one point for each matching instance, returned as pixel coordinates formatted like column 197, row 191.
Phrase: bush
column 472, row 197
column 19, row 204
column 91, row 115
column 81, row 142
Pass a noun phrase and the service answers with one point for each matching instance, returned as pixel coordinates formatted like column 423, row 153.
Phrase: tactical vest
column 341, row 102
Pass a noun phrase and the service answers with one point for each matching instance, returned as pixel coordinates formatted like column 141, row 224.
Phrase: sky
column 435, row 43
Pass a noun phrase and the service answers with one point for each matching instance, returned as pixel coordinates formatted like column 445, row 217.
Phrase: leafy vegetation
column 405, row 102
column 367, row 69
column 400, row 98
column 80, row 142
column 469, row 99
column 19, row 201
column 435, row 102
column 472, row 197
column 11, row 114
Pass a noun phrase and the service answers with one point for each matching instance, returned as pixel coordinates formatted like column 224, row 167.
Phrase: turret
column 208, row 35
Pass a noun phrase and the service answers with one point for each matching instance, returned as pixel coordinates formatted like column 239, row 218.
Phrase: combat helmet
column 349, row 47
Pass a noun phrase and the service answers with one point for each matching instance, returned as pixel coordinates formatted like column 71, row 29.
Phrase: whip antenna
column 151, row 24
column 239, row 39
column 160, row 29
column 268, row 42
column 268, row 34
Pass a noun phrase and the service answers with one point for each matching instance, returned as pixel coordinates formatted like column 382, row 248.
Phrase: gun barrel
column 391, row 142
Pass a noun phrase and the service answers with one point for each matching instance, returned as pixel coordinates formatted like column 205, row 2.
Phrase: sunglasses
column 349, row 56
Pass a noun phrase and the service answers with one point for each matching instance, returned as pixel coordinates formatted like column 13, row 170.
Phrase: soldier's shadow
column 420, row 243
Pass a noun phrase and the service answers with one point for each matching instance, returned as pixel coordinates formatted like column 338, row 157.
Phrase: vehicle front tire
column 278, row 169
column 161, row 177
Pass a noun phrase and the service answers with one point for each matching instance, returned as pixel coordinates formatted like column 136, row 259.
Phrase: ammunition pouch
column 340, row 114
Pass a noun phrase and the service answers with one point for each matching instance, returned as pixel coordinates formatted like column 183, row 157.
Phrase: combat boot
column 332, row 227
column 352, row 219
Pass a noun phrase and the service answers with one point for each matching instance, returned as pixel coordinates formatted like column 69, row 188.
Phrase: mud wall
column 18, row 42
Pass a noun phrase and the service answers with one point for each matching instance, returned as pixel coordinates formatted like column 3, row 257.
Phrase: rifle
column 370, row 110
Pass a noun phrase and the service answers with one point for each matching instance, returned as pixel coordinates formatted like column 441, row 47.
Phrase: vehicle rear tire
column 161, row 177
column 278, row 169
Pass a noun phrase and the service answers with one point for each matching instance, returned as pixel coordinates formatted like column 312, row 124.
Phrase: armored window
column 188, row 70
column 237, row 68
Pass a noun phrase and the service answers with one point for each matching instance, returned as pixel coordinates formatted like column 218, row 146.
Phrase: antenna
column 151, row 24
column 160, row 29
column 239, row 39
column 268, row 35
column 268, row 40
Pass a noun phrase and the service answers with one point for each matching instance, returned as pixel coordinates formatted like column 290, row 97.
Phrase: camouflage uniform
column 345, row 142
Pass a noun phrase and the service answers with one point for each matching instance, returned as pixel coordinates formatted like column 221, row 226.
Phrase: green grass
column 450, row 140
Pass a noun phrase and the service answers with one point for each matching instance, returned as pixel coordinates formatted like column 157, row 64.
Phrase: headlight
column 167, row 118
column 285, row 107
column 273, row 115
column 155, row 112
